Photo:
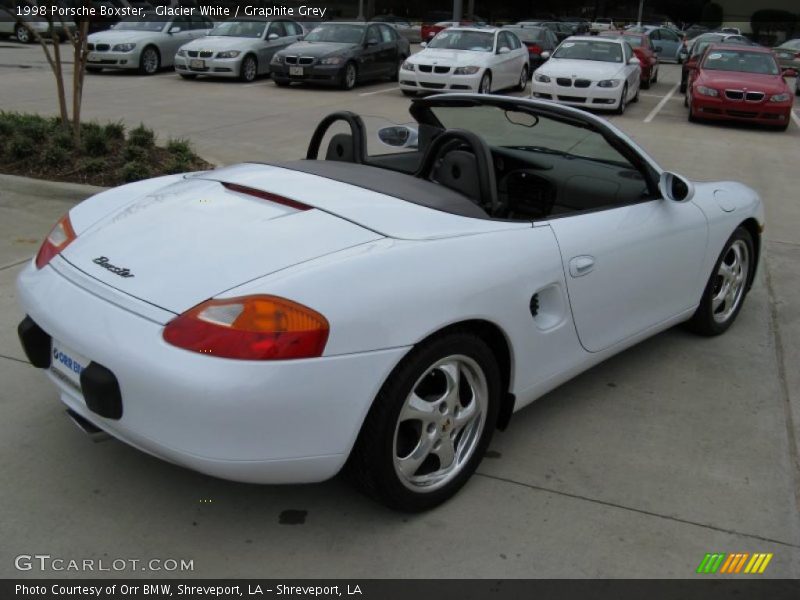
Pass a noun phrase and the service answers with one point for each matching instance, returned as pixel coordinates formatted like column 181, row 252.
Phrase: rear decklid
column 197, row 238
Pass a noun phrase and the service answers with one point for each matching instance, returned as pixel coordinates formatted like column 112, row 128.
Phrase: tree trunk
column 79, row 71
column 55, row 64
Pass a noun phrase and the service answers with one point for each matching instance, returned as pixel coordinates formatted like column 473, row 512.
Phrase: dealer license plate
column 296, row 71
column 92, row 57
column 197, row 64
column 67, row 363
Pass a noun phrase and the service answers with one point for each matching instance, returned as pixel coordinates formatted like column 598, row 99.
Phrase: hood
column 754, row 82
column 112, row 36
column 318, row 49
column 195, row 239
column 217, row 43
column 586, row 69
column 446, row 57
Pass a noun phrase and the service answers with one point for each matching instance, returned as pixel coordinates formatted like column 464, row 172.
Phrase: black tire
column 485, row 86
column 395, row 75
column 523, row 79
column 797, row 87
column 645, row 84
column 23, row 35
column 409, row 93
column 636, row 97
column 690, row 115
column 187, row 75
column 623, row 101
column 280, row 82
column 783, row 127
column 704, row 322
column 371, row 465
column 149, row 61
column 248, row 71
column 94, row 69
column 655, row 77
column 349, row 76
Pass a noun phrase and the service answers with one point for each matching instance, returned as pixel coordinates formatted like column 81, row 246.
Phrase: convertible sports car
column 377, row 313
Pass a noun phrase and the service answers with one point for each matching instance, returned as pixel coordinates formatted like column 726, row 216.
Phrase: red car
column 644, row 51
column 742, row 83
column 429, row 30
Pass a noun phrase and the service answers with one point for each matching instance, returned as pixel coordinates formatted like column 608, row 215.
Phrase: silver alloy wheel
column 350, row 76
column 523, row 78
column 249, row 68
column 150, row 61
column 440, row 424
column 623, row 99
column 23, row 35
column 730, row 281
column 485, row 86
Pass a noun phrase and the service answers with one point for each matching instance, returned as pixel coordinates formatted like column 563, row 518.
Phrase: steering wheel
column 435, row 159
column 357, row 131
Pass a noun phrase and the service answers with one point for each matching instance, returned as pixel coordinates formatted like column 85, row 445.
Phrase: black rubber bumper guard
column 99, row 385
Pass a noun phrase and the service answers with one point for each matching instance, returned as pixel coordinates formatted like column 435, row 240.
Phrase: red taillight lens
column 535, row 48
column 250, row 328
column 60, row 236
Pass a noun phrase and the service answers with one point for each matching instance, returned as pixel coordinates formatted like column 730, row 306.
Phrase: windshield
column 247, row 29
column 340, row 33
column 134, row 24
column 634, row 40
column 741, row 62
column 590, row 50
column 523, row 131
column 528, row 34
column 477, row 41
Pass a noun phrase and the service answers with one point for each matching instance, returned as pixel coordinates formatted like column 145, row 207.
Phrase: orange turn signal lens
column 61, row 235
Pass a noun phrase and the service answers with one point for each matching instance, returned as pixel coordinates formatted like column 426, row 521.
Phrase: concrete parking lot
column 677, row 447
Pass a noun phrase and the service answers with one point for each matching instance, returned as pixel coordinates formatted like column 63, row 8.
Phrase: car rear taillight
column 250, row 328
column 61, row 235
column 535, row 48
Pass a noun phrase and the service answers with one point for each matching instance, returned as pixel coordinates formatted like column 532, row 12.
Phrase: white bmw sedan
column 472, row 59
column 240, row 49
column 145, row 45
column 590, row 72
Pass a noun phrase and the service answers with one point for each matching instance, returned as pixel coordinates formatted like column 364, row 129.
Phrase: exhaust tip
column 95, row 433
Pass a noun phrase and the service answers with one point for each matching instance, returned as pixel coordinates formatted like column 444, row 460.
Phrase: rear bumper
column 262, row 422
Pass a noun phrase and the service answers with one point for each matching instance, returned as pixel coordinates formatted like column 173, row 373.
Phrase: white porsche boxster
column 380, row 314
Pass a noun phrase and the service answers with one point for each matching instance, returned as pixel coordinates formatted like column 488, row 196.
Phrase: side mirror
column 369, row 43
column 657, row 48
column 545, row 55
column 272, row 36
column 504, row 50
column 174, row 29
column 789, row 73
column 398, row 136
column 675, row 187
column 423, row 44
column 634, row 61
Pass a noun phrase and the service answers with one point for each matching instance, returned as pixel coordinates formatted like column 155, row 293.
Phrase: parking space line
column 380, row 91
column 661, row 104
column 795, row 118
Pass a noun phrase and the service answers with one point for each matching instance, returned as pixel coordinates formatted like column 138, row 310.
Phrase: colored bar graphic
column 711, row 563
column 734, row 563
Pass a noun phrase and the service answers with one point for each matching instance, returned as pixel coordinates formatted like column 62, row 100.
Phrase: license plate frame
column 197, row 64
column 295, row 71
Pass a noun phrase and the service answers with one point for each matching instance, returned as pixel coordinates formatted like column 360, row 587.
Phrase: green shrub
column 142, row 136
column 180, row 148
column 115, row 130
column 20, row 147
column 136, row 154
column 93, row 165
column 94, row 141
column 63, row 139
column 134, row 171
column 178, row 164
column 54, row 156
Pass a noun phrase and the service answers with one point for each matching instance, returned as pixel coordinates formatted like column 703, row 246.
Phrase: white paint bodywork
column 386, row 274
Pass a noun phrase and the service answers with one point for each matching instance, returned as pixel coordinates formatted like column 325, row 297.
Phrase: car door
column 670, row 43
column 389, row 56
column 275, row 37
column 174, row 39
column 633, row 72
column 369, row 64
column 520, row 54
column 632, row 260
column 503, row 71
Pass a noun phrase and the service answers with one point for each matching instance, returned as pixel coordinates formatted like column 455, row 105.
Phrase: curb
column 53, row 190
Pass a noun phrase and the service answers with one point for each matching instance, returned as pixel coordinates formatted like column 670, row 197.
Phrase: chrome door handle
column 581, row 265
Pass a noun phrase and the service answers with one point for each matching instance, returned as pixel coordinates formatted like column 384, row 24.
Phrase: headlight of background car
column 608, row 83
column 541, row 78
column 181, row 52
column 707, row 91
column 277, row 59
column 780, row 98
column 123, row 47
column 407, row 66
column 331, row 60
column 466, row 70
column 228, row 54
